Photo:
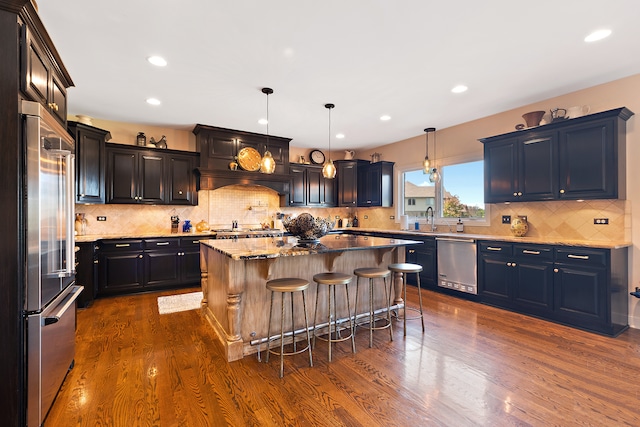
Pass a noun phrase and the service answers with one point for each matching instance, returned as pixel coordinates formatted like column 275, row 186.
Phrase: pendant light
column 267, row 164
column 329, row 169
column 426, row 164
column 434, row 176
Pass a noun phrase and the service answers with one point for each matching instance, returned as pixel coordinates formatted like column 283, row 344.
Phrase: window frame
column 439, row 219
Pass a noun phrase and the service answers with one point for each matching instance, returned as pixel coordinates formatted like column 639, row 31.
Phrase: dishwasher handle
column 450, row 239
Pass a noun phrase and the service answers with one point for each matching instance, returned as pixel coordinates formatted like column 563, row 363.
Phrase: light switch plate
column 101, row 218
column 506, row 219
column 601, row 221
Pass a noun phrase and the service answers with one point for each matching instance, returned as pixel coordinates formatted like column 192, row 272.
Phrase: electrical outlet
column 337, row 216
column 601, row 221
column 366, row 217
column 392, row 217
column 101, row 218
column 506, row 219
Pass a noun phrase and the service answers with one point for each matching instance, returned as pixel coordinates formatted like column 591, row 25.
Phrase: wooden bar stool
column 405, row 268
column 331, row 280
column 371, row 274
column 288, row 285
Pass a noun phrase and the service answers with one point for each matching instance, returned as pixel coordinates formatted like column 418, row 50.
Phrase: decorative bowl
column 307, row 228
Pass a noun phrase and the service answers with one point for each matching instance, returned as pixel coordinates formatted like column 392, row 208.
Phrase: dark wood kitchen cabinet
column 309, row 188
column 375, row 184
column 426, row 256
column 86, row 273
column 136, row 265
column 581, row 158
column 90, row 162
column 43, row 78
column 219, row 146
column 150, row 176
column 347, row 177
column 581, row 287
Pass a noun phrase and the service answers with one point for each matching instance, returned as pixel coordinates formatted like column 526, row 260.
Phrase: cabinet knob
column 53, row 106
column 180, row 192
column 519, row 193
column 140, row 256
column 555, row 270
column 515, row 194
column 561, row 191
column 513, row 264
column 508, row 264
column 95, row 261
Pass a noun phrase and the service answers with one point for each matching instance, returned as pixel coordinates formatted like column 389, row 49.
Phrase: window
column 459, row 194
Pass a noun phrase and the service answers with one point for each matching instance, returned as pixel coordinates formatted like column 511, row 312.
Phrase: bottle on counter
column 339, row 222
column 460, row 226
column 186, row 227
column 354, row 222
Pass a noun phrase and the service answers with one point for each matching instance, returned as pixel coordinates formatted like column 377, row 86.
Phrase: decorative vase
column 519, row 226
column 533, row 118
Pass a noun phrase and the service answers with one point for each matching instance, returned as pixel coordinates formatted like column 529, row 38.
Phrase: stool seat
column 372, row 273
column 332, row 278
column 405, row 268
column 287, row 284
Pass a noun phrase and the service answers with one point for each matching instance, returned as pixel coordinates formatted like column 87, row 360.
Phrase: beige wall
column 568, row 220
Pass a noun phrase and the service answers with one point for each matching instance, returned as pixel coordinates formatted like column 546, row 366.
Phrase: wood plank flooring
column 474, row 366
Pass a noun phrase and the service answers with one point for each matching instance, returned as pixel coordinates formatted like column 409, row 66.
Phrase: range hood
column 219, row 148
column 212, row 179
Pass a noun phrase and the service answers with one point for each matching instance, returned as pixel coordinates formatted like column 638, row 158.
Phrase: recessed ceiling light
column 158, row 61
column 385, row 117
column 459, row 89
column 263, row 121
column 153, row 101
column 597, row 35
column 340, row 135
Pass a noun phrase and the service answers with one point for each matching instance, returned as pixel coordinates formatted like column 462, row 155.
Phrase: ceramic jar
column 519, row 226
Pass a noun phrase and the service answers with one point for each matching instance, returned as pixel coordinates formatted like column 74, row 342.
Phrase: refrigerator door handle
column 70, row 196
column 66, row 303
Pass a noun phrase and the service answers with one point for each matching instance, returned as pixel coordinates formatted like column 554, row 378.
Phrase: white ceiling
column 368, row 57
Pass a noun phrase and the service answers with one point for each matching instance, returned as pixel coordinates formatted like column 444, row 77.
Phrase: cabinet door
column 533, row 287
column 122, row 173
column 538, row 173
column 151, row 188
column 120, row 272
column 58, row 98
column 37, row 73
column 190, row 261
column 85, row 273
column 162, row 268
column 587, row 161
column 297, row 196
column 425, row 255
column 347, row 184
column 500, row 171
column 580, row 295
column 320, row 190
column 496, row 276
column 181, row 181
column 90, row 163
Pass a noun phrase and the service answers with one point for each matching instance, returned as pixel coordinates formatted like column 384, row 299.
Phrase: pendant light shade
column 267, row 164
column 426, row 164
column 329, row 169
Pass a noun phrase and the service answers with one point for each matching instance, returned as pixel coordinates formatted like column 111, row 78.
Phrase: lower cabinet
column 135, row 265
column 424, row 255
column 581, row 287
column 86, row 273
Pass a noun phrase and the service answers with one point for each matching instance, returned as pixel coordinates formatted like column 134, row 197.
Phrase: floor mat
column 181, row 302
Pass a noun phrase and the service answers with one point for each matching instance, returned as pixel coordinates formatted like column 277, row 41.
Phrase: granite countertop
column 558, row 241
column 274, row 247
column 602, row 244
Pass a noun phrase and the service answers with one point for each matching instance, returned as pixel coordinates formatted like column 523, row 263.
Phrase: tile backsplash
column 253, row 205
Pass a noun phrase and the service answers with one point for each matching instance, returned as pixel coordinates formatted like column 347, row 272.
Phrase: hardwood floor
column 474, row 365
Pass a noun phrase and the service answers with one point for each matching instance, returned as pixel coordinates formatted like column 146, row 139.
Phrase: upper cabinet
column 150, row 176
column 43, row 77
column 90, row 162
column 363, row 184
column 582, row 158
column 309, row 188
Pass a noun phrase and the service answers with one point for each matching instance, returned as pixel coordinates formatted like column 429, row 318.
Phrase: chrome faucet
column 433, row 223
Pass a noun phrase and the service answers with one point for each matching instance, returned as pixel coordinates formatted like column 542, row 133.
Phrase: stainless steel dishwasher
column 457, row 264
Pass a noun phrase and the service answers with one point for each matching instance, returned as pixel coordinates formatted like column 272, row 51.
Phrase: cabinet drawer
column 498, row 248
column 580, row 256
column 168, row 243
column 121, row 245
column 192, row 242
column 532, row 251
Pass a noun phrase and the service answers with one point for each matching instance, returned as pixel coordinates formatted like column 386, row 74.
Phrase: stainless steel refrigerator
column 50, row 294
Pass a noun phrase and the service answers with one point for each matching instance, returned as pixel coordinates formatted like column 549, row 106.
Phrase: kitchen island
column 235, row 271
